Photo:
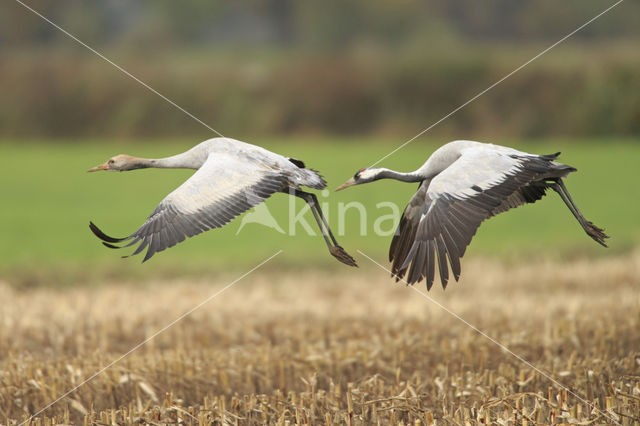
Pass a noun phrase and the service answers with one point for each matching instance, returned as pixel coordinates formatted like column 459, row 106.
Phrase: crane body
column 231, row 177
column 460, row 185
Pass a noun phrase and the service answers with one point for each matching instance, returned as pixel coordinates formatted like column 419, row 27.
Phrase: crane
column 460, row 185
column 231, row 177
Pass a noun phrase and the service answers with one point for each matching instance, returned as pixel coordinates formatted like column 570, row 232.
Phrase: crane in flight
column 461, row 184
column 231, row 177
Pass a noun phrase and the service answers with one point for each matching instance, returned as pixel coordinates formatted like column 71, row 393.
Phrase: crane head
column 361, row 176
column 119, row 163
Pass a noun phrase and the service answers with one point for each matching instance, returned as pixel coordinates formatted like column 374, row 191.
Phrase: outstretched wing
column 479, row 184
column 223, row 188
column 406, row 233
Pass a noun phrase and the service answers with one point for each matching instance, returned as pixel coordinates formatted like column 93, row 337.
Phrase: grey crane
column 231, row 177
column 461, row 184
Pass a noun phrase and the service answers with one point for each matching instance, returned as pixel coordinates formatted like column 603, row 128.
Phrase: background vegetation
column 354, row 67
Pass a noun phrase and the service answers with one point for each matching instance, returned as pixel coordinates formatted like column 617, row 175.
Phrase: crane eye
column 111, row 161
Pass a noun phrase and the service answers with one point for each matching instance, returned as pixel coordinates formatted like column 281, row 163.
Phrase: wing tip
column 150, row 252
column 104, row 237
column 429, row 284
column 111, row 246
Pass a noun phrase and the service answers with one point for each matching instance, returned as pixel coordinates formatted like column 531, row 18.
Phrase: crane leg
column 313, row 202
column 335, row 249
column 319, row 210
column 592, row 230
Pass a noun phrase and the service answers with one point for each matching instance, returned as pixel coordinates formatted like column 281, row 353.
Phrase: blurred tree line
column 335, row 67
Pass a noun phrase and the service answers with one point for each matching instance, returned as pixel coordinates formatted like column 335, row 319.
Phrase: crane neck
column 404, row 177
column 179, row 161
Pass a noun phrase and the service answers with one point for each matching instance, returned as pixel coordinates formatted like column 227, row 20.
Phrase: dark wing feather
column 480, row 184
column 223, row 188
column 405, row 234
column 104, row 237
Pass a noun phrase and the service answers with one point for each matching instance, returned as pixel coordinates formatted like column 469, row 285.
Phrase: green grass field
column 48, row 200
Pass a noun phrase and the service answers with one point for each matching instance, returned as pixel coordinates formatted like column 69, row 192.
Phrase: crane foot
column 596, row 233
column 344, row 257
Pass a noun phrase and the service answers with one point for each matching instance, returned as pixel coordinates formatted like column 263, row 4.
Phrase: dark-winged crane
column 461, row 184
column 231, row 177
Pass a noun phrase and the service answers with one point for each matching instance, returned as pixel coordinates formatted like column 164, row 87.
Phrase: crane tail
column 551, row 156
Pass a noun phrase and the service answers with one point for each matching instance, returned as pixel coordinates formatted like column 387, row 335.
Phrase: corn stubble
column 328, row 348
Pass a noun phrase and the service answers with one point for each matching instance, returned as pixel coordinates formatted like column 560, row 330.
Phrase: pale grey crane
column 460, row 185
column 231, row 177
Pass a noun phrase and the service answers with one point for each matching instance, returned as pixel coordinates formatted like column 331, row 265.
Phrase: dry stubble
column 332, row 348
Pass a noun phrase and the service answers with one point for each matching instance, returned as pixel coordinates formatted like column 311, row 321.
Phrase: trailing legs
column 334, row 248
column 592, row 230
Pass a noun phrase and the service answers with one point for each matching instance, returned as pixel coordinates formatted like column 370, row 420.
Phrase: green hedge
column 569, row 92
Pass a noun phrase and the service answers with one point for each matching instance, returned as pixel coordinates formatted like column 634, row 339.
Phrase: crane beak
column 104, row 166
column 347, row 184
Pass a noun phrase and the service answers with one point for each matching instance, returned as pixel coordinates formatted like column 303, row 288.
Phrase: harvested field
column 338, row 347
